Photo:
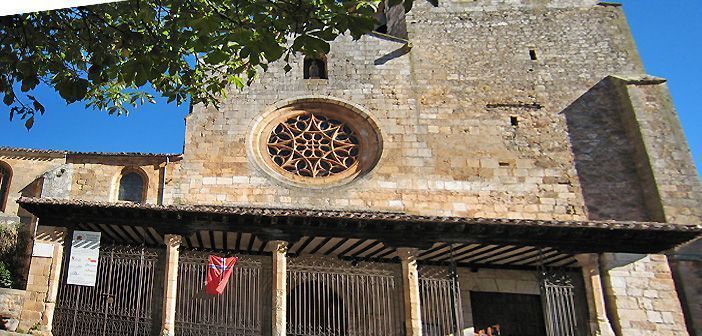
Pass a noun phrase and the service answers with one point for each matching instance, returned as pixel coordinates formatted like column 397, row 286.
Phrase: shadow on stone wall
column 604, row 157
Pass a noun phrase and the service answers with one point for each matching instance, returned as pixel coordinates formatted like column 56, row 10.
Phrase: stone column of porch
column 410, row 289
column 43, row 284
column 279, row 250
column 170, row 285
column 599, row 323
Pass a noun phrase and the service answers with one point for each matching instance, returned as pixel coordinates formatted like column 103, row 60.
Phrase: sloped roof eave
column 583, row 236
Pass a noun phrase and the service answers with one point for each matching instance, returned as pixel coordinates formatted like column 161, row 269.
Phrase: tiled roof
column 123, row 154
column 364, row 215
column 31, row 150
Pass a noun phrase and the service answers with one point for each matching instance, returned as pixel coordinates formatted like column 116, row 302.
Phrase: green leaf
column 8, row 99
column 72, row 89
column 311, row 45
column 132, row 43
column 408, row 5
column 238, row 82
column 29, row 83
column 326, row 34
column 29, row 123
column 35, row 103
column 216, row 57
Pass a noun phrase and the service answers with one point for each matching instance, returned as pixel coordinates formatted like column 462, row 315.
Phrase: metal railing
column 558, row 296
column 238, row 311
column 440, row 295
column 119, row 303
column 329, row 297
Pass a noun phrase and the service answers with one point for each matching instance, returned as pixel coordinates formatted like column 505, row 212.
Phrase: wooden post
column 279, row 250
column 410, row 288
column 170, row 286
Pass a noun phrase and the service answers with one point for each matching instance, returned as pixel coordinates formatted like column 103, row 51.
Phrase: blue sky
column 668, row 34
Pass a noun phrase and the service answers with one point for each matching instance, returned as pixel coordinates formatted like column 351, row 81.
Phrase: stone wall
column 491, row 5
column 686, row 265
column 11, row 301
column 96, row 178
column 673, row 178
column 669, row 178
column 27, row 180
column 27, row 170
column 445, row 108
column 514, row 282
column 606, row 158
column 641, row 295
column 58, row 182
column 42, row 284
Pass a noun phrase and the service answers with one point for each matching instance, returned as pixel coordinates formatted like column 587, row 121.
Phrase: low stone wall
column 11, row 301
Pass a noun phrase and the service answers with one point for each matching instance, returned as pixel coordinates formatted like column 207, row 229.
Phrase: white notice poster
column 85, row 252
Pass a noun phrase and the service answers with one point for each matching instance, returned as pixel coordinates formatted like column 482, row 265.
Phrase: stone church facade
column 475, row 165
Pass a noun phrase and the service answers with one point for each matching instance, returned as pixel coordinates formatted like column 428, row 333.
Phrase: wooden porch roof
column 392, row 229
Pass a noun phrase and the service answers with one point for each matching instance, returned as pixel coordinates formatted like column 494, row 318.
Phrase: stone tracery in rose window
column 312, row 145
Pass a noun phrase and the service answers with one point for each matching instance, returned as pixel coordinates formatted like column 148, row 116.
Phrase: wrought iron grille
column 238, row 311
column 558, row 295
column 330, row 297
column 118, row 304
column 440, row 295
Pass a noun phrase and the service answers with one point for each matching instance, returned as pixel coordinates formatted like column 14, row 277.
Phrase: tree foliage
column 11, row 244
column 108, row 55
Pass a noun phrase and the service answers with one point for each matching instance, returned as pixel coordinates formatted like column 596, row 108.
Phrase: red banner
column 218, row 271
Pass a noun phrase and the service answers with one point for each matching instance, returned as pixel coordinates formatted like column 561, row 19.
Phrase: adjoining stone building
column 478, row 163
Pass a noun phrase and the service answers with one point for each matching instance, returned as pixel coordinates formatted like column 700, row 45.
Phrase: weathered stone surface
column 279, row 287
column 686, row 266
column 11, row 301
column 97, row 178
column 170, row 286
column 410, row 289
column 494, row 108
column 641, row 295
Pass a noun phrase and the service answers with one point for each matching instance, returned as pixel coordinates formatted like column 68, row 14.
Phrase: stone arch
column 131, row 185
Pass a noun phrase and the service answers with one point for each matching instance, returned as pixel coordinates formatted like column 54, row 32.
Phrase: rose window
column 312, row 145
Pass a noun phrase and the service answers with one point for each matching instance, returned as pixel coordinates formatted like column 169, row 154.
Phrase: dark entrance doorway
column 119, row 303
column 517, row 314
column 314, row 309
column 331, row 297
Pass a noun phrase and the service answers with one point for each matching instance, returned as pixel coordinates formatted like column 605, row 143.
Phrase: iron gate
column 120, row 301
column 331, row 297
column 440, row 297
column 558, row 296
column 238, row 311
